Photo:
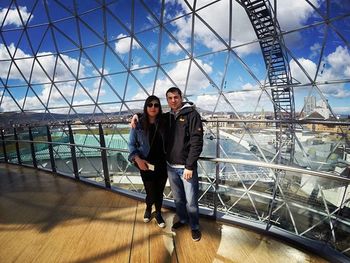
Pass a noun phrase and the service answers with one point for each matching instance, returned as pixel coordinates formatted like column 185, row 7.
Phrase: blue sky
column 125, row 56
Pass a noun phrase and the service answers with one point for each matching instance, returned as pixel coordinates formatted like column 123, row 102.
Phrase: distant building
column 310, row 104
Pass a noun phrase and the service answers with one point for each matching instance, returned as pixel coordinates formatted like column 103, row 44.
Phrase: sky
column 63, row 58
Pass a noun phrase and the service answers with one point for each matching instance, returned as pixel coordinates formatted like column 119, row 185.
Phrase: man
column 184, row 143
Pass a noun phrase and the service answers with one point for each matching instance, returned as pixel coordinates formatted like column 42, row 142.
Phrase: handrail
column 278, row 167
column 212, row 159
column 220, row 119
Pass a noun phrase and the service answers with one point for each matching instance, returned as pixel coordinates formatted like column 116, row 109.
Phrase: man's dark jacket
column 184, row 136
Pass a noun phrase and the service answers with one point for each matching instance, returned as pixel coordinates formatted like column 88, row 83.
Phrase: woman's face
column 153, row 108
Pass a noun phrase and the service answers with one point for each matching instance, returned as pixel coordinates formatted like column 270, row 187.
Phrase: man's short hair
column 174, row 89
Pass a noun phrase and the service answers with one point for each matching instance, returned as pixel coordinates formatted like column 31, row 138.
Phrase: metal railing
column 307, row 202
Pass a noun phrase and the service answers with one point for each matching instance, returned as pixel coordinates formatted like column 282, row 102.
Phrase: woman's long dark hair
column 145, row 121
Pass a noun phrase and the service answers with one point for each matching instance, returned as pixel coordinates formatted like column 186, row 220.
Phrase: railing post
column 19, row 160
column 273, row 200
column 52, row 157
column 32, row 149
column 104, row 157
column 217, row 169
column 72, row 150
column 4, row 145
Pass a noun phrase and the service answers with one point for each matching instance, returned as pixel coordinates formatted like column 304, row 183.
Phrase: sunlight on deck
column 47, row 218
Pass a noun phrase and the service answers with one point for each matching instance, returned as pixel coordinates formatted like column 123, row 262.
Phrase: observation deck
column 99, row 197
column 49, row 218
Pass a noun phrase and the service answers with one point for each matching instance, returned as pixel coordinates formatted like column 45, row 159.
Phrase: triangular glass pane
column 122, row 10
column 140, row 57
column 198, row 79
column 205, row 39
column 117, row 82
column 175, row 50
column 145, row 77
column 135, row 90
column 244, row 74
column 93, row 20
column 95, row 55
column 32, row 102
column 122, row 47
column 15, row 73
column 66, row 39
column 8, row 104
column 107, row 93
column 113, row 62
column 46, row 43
column 11, row 39
column 88, row 35
column 145, row 20
column 83, row 97
column 39, row 15
column 43, row 69
column 11, row 18
column 87, row 67
column 36, row 35
column 60, row 9
column 114, row 28
column 149, row 40
column 60, row 94
column 83, row 6
column 155, row 7
column 174, row 10
column 164, row 82
column 68, row 66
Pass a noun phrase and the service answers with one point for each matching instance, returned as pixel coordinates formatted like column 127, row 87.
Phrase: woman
column 147, row 153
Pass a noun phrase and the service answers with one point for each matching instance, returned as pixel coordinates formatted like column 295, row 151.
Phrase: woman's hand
column 141, row 163
column 134, row 121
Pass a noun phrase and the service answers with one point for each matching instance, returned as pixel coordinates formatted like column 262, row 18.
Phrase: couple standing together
column 168, row 145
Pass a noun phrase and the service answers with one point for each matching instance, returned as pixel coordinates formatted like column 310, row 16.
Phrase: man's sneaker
column 160, row 220
column 177, row 225
column 196, row 235
column 147, row 216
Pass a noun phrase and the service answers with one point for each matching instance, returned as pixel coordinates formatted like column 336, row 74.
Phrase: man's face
column 174, row 100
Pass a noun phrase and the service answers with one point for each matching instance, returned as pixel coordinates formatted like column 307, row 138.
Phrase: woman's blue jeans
column 185, row 195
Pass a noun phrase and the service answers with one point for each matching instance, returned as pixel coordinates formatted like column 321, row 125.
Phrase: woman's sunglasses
column 156, row 105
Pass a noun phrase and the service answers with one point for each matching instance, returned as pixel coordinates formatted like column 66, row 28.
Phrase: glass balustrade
column 243, row 174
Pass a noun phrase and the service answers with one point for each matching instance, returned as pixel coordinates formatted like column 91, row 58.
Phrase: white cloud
column 339, row 62
column 298, row 74
column 122, row 46
column 240, row 101
column 315, row 50
column 13, row 17
column 142, row 71
column 47, row 60
column 242, row 30
column 337, row 66
column 340, row 110
column 197, row 81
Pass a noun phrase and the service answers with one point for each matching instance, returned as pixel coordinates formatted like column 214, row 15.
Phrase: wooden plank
column 46, row 218
column 162, row 241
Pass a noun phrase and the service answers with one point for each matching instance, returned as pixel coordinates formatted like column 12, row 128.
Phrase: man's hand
column 134, row 121
column 141, row 163
column 187, row 174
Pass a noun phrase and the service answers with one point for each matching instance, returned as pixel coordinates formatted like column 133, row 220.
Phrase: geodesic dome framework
column 101, row 57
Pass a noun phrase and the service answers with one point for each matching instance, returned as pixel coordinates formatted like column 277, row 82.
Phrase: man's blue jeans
column 185, row 194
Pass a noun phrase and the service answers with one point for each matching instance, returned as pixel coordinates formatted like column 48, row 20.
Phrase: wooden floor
column 47, row 218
